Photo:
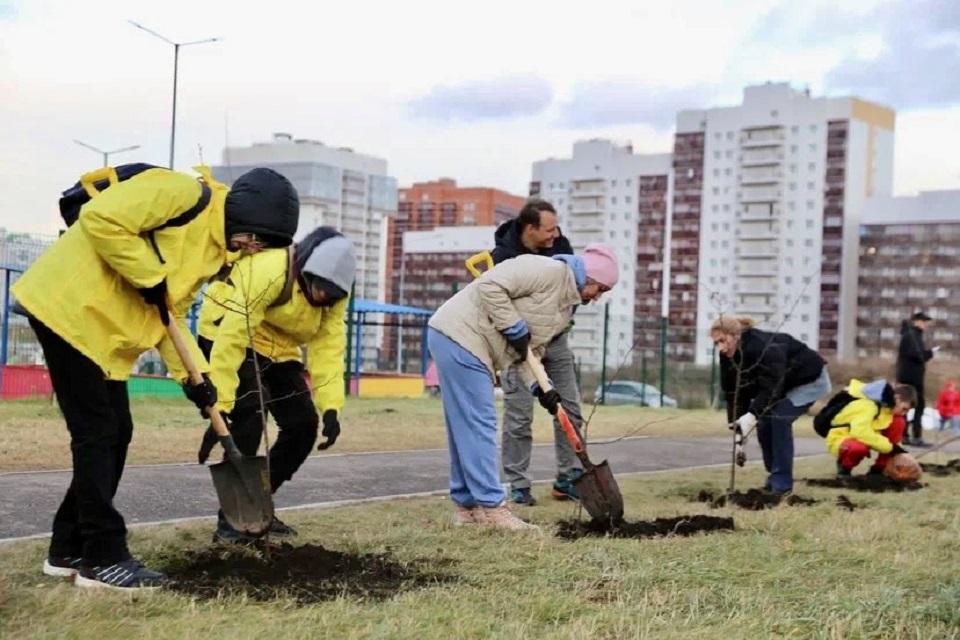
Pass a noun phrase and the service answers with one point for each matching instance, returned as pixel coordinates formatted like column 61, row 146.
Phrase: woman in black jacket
column 769, row 380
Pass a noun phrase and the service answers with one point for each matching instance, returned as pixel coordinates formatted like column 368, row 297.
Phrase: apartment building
column 434, row 268
column 445, row 206
column 597, row 194
column 785, row 177
column 339, row 187
column 909, row 261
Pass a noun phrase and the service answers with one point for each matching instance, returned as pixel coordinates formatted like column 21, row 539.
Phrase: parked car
column 627, row 392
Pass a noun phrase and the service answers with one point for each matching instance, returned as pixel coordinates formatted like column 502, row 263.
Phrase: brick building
column 909, row 261
column 428, row 276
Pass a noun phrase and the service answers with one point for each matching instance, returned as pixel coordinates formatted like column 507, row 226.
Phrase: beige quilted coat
column 540, row 290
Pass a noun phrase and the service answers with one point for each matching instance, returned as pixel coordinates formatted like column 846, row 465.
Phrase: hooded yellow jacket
column 84, row 287
column 865, row 423
column 278, row 332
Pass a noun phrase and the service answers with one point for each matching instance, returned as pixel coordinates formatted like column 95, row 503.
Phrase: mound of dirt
column 948, row 469
column 866, row 483
column 681, row 526
column 752, row 499
column 309, row 573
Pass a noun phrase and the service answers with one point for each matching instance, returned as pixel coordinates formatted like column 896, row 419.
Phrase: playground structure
column 23, row 373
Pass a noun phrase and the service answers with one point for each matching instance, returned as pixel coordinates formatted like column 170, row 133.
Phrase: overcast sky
column 475, row 91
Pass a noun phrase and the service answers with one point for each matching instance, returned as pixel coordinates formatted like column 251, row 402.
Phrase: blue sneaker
column 522, row 496
column 564, row 489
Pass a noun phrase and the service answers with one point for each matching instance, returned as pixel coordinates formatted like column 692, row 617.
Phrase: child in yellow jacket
column 875, row 420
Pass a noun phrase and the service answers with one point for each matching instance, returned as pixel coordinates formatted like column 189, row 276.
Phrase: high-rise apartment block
column 597, row 195
column 785, row 179
column 909, row 261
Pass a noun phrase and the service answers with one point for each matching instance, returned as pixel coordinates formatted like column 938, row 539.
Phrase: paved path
column 163, row 493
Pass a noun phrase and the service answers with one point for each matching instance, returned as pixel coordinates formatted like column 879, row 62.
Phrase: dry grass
column 888, row 570
column 34, row 436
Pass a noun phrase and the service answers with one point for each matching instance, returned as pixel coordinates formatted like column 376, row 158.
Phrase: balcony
column 760, row 194
column 760, row 157
column 761, row 175
column 762, row 137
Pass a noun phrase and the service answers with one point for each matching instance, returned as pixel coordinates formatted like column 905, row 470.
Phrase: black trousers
column 287, row 398
column 916, row 424
column 97, row 412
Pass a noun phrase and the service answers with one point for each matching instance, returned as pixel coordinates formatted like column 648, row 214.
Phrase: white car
column 628, row 392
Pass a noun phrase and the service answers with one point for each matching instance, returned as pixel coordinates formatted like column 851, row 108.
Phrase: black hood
column 327, row 259
column 263, row 202
column 907, row 327
column 508, row 244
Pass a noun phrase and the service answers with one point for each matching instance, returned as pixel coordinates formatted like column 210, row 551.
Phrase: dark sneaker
column 522, row 496
column 920, row 442
column 280, row 529
column 226, row 533
column 842, row 471
column 875, row 471
column 62, row 567
column 563, row 488
column 128, row 575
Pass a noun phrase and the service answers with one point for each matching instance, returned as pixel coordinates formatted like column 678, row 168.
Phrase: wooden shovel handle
column 541, row 376
column 219, row 426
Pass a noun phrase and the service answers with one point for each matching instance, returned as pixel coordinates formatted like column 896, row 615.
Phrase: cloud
column 500, row 98
column 919, row 63
column 610, row 102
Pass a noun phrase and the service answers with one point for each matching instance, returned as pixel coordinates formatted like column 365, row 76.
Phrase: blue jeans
column 466, row 391
column 775, row 435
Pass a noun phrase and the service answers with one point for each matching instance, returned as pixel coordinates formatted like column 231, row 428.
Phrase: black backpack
column 822, row 421
column 79, row 194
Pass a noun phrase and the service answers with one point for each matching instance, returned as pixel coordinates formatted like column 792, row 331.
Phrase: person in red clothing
column 948, row 406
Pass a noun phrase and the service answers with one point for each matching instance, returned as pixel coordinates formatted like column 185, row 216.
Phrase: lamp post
column 176, row 59
column 106, row 154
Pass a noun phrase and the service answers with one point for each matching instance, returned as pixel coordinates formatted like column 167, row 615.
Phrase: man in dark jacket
column 535, row 231
column 912, row 360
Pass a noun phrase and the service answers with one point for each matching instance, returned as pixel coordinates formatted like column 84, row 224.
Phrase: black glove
column 520, row 344
column 157, row 296
column 331, row 429
column 203, row 395
column 549, row 400
column 210, row 439
column 897, row 449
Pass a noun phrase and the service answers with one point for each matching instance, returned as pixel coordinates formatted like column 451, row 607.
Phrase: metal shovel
column 598, row 489
column 242, row 482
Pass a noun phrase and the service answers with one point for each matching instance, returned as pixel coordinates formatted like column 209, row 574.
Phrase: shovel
column 242, row 483
column 598, row 489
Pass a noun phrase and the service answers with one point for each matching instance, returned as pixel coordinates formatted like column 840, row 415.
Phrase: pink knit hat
column 600, row 263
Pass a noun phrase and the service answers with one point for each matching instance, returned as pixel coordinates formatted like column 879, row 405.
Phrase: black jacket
column 508, row 245
column 912, row 356
column 764, row 368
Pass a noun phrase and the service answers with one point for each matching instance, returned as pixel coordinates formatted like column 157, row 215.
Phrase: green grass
column 888, row 570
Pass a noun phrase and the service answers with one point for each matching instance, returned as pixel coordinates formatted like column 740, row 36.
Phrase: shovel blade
column 243, row 488
column 600, row 494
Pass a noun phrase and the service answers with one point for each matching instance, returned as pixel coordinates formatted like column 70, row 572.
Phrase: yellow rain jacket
column 865, row 422
column 84, row 286
column 278, row 331
column 212, row 309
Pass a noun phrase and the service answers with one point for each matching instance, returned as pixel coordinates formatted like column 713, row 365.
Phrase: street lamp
column 106, row 154
column 176, row 58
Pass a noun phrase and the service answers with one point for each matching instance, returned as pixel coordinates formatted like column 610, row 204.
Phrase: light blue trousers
column 466, row 390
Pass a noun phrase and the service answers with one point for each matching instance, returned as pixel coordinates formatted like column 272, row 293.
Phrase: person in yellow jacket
column 97, row 299
column 875, row 420
column 314, row 315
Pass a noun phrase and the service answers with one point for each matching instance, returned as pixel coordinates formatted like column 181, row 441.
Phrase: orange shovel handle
column 541, row 376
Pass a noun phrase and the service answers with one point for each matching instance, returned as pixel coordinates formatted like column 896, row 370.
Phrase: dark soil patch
column 309, row 573
column 681, row 526
column 752, row 499
column 948, row 469
column 845, row 503
column 871, row 484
